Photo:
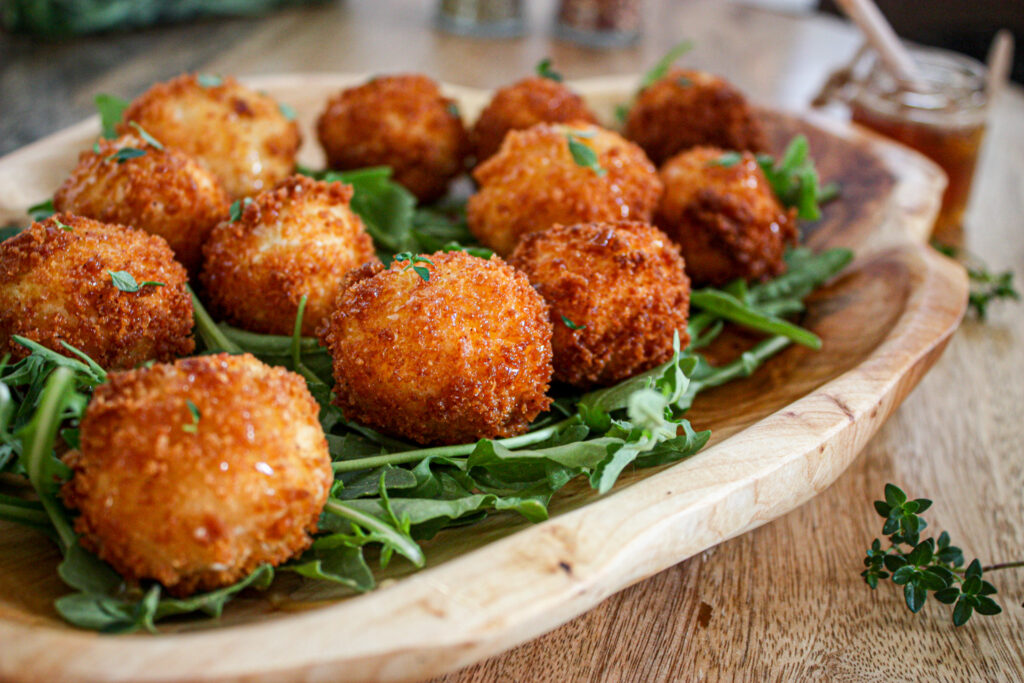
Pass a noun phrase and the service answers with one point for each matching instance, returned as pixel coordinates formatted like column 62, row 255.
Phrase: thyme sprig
column 929, row 565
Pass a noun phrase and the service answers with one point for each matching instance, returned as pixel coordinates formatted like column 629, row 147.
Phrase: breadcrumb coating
column 299, row 238
column 199, row 500
column 725, row 218
column 237, row 133
column 55, row 285
column 164, row 192
column 687, row 109
column 533, row 182
column 522, row 105
column 400, row 121
column 462, row 356
column 621, row 285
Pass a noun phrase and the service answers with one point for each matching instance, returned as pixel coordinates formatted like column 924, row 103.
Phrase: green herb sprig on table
column 929, row 565
column 986, row 286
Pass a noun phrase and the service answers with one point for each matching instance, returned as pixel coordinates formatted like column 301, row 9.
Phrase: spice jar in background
column 599, row 23
column 944, row 119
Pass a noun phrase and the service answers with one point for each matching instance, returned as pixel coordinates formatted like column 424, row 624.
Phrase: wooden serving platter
column 779, row 437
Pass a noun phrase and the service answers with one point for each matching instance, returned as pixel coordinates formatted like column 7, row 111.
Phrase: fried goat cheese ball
column 298, row 239
column 195, row 473
column 63, row 280
column 399, row 121
column 240, row 135
column 724, row 217
column 463, row 355
column 164, row 192
column 522, row 105
column 544, row 175
column 617, row 293
column 686, row 109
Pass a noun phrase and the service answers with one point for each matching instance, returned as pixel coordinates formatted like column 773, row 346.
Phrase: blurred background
column 64, row 51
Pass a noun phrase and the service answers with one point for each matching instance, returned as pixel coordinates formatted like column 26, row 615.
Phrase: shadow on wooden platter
column 779, row 437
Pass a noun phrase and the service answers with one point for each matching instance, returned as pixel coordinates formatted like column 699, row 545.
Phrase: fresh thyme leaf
column 111, row 110
column 658, row 71
column 583, row 154
column 286, row 111
column 145, row 135
column 124, row 281
column 727, row 160
column 125, row 153
column 96, row 147
column 684, row 82
column 453, row 109
column 413, row 259
column 237, row 207
column 63, row 226
column 571, row 325
column 42, row 210
column 544, row 70
column 209, row 80
column 194, row 412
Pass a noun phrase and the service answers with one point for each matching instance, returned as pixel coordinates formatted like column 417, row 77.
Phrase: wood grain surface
column 784, row 602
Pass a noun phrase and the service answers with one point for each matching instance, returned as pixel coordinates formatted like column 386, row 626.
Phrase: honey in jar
column 943, row 118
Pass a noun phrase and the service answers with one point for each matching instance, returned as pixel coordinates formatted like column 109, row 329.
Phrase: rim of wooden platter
column 518, row 587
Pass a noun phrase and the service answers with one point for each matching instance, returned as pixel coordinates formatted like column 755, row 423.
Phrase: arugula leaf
column 658, row 71
column 42, row 210
column 794, row 180
column 111, row 109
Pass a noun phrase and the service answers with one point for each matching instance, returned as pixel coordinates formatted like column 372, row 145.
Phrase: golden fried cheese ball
column 164, row 192
column 462, row 356
column 617, row 293
column 56, row 285
column 399, row 121
column 299, row 238
column 685, row 109
column 196, row 473
column 522, row 105
column 241, row 135
column 535, row 181
column 721, row 211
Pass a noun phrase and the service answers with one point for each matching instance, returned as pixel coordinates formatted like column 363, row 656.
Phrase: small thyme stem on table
column 1003, row 565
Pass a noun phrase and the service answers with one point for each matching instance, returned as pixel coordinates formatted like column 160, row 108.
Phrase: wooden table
column 785, row 601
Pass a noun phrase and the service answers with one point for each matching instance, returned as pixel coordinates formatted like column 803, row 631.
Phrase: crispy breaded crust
column 463, row 356
column 623, row 282
column 685, row 109
column 164, row 192
column 54, row 286
column 299, row 238
column 521, row 105
column 533, row 183
column 400, row 121
column 237, row 133
column 726, row 219
column 197, row 510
